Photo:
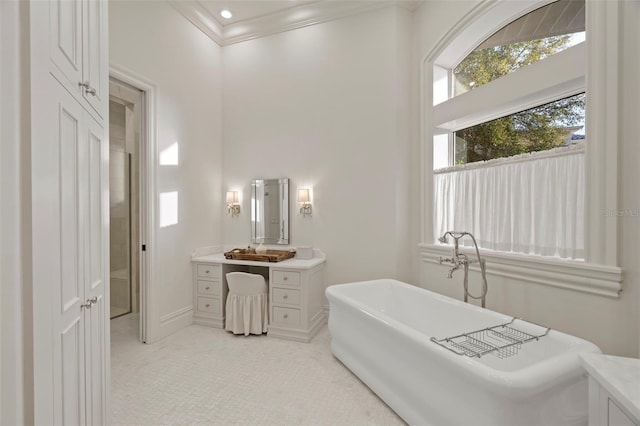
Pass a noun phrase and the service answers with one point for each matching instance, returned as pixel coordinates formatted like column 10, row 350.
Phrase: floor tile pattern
column 206, row 376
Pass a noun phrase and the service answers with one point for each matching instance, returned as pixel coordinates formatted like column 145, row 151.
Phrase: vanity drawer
column 286, row 296
column 209, row 271
column 210, row 288
column 285, row 278
column 288, row 316
column 208, row 305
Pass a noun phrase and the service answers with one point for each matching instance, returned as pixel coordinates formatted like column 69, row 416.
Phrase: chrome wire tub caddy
column 503, row 340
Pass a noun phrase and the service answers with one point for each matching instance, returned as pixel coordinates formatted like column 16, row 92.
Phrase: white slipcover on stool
column 247, row 304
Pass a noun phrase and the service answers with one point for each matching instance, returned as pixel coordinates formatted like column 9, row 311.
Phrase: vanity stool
column 247, row 306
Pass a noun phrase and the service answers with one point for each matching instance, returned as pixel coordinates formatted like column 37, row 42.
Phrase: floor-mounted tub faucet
column 460, row 259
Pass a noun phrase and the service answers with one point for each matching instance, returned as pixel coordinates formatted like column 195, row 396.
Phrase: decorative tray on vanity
column 269, row 256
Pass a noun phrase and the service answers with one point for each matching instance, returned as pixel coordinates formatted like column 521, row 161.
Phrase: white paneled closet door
column 96, row 169
column 69, row 213
column 78, row 48
column 79, row 353
column 68, row 147
column 65, row 43
column 95, row 68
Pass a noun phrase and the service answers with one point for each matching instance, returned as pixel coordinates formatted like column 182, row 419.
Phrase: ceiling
column 257, row 18
column 249, row 9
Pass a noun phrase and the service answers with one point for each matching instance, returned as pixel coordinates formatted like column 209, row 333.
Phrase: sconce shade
column 232, row 197
column 305, row 202
column 233, row 206
column 303, row 196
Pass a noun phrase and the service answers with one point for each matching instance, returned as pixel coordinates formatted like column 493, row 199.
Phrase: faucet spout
column 451, row 271
column 455, row 261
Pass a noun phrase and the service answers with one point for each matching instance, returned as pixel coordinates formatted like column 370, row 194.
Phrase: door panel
column 97, row 189
column 65, row 38
column 69, row 125
column 95, row 360
column 95, row 56
column 72, row 385
column 97, row 326
column 68, row 346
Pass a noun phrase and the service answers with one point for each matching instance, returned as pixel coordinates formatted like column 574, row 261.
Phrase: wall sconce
column 233, row 206
column 305, row 201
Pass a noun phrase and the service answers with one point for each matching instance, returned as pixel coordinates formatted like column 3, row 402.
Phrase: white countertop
column 293, row 263
column 619, row 376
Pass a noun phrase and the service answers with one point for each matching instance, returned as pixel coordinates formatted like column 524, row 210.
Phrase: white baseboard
column 175, row 321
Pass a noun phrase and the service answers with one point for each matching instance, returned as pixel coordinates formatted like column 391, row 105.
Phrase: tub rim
column 523, row 382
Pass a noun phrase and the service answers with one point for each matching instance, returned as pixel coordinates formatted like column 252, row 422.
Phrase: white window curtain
column 530, row 203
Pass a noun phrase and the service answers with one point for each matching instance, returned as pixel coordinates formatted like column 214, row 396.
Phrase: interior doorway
column 126, row 136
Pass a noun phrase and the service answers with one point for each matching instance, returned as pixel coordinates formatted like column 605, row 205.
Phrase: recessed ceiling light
column 226, row 14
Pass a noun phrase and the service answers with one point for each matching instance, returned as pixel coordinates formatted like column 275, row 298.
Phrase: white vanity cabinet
column 296, row 293
column 614, row 390
column 209, row 294
column 296, row 303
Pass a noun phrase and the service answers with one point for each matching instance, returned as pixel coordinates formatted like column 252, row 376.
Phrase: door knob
column 87, row 88
column 89, row 303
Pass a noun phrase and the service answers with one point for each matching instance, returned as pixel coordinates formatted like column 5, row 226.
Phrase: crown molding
column 201, row 18
column 286, row 20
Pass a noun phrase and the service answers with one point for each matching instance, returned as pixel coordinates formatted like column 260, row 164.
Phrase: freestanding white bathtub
column 381, row 330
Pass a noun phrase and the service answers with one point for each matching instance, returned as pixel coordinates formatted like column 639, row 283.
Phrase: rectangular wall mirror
column 270, row 211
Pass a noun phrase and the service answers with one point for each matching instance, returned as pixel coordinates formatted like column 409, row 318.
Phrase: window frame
column 553, row 78
column 598, row 274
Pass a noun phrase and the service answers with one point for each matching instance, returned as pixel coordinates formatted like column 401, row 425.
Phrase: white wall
column 628, row 318
column 613, row 324
column 151, row 39
column 16, row 400
column 328, row 107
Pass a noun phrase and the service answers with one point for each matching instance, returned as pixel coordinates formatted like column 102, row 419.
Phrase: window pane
column 537, row 129
column 531, row 38
column 440, row 151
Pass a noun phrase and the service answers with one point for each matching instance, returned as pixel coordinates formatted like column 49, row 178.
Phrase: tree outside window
column 537, row 129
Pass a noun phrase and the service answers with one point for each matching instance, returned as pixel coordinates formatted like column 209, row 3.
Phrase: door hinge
column 144, row 247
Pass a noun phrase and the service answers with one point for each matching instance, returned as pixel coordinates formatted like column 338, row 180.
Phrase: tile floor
column 207, row 376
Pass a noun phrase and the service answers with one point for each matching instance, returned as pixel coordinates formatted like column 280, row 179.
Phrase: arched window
column 543, row 32
column 509, row 130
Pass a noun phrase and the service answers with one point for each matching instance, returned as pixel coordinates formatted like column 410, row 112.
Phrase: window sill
column 600, row 280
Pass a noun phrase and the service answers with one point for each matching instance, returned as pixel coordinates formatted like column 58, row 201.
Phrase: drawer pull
column 285, row 296
column 207, row 305
column 285, row 278
column 207, row 288
column 206, row 272
column 286, row 316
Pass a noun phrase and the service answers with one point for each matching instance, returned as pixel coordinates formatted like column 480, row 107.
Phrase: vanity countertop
column 293, row 263
column 619, row 376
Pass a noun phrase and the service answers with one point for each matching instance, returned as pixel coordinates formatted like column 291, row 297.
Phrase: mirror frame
column 257, row 200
